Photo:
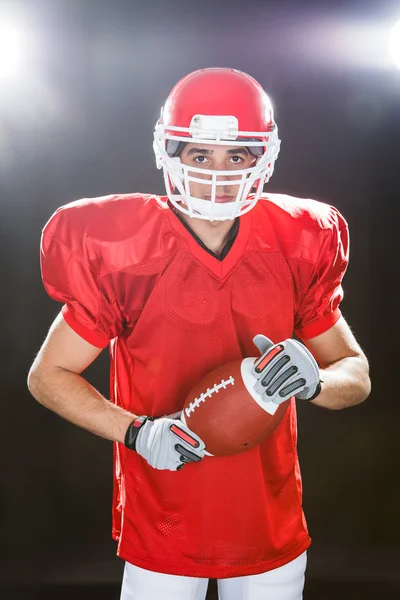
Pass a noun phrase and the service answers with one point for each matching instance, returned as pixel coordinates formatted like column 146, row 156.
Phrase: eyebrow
column 239, row 150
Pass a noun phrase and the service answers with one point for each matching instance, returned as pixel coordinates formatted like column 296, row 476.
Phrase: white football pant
column 284, row 583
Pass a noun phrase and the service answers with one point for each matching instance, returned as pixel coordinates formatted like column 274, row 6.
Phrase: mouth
column 220, row 199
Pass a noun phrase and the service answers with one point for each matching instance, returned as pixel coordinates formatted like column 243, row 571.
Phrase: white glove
column 284, row 370
column 166, row 443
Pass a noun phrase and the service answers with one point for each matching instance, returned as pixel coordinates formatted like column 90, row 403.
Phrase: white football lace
column 210, row 391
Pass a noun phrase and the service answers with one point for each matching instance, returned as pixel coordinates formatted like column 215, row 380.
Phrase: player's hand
column 166, row 443
column 284, row 370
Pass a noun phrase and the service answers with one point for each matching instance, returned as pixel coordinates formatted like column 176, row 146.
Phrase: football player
column 175, row 286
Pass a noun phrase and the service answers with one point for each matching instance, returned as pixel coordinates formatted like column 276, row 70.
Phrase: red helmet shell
column 220, row 92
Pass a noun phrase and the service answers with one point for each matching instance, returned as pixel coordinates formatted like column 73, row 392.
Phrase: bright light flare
column 394, row 44
column 10, row 49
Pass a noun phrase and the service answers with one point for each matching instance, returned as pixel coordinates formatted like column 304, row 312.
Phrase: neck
column 213, row 234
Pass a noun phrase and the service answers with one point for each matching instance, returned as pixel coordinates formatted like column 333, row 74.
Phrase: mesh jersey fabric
column 132, row 276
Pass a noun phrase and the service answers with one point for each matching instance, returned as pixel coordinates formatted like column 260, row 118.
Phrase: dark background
column 78, row 121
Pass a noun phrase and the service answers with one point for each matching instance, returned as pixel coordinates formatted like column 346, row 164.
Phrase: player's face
column 221, row 158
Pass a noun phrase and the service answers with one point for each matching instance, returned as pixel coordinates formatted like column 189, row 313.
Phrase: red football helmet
column 223, row 107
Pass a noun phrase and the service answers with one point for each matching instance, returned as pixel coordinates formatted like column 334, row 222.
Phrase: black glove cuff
column 317, row 391
column 133, row 430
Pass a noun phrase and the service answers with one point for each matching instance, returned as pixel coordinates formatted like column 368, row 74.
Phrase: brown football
column 226, row 413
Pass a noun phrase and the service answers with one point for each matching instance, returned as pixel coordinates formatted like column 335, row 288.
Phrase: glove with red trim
column 284, row 370
column 166, row 443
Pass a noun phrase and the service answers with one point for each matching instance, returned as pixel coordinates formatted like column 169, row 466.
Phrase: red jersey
column 132, row 276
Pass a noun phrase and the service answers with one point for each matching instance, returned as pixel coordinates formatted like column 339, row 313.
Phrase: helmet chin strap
column 201, row 209
column 222, row 210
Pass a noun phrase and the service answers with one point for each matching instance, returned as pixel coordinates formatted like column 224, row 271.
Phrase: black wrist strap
column 133, row 430
column 317, row 391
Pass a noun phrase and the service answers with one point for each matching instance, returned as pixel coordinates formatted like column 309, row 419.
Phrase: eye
column 236, row 159
column 201, row 160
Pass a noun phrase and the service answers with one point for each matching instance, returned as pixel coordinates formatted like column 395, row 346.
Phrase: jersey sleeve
column 319, row 308
column 69, row 276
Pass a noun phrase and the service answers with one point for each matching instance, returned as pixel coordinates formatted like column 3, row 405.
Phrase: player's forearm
column 346, row 383
column 74, row 399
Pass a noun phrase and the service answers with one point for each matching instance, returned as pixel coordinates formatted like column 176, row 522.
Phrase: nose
column 221, row 166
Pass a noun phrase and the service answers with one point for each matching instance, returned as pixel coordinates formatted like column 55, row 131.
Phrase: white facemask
column 178, row 176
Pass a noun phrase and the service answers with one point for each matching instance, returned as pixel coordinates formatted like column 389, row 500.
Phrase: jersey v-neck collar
column 220, row 268
column 232, row 234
